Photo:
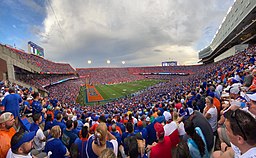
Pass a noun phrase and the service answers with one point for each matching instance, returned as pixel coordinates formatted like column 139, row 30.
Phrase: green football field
column 123, row 89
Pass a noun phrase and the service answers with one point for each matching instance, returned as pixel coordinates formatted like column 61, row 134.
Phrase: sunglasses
column 233, row 116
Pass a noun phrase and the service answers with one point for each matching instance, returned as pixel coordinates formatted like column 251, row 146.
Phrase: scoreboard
column 35, row 49
column 169, row 63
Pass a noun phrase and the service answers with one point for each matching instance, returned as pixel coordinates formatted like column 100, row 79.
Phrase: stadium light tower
column 89, row 61
column 123, row 62
column 108, row 61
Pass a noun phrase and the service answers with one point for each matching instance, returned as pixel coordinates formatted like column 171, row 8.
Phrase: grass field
column 123, row 89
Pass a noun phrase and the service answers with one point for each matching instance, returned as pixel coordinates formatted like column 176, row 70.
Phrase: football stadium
column 69, row 109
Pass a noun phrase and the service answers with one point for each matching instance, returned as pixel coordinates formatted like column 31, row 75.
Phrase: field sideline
column 123, row 89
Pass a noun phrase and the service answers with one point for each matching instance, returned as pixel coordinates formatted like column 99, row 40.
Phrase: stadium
column 202, row 110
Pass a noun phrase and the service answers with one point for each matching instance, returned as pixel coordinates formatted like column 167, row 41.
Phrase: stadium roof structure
column 238, row 27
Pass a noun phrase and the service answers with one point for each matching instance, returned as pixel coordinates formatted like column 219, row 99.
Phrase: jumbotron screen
column 35, row 49
column 169, row 63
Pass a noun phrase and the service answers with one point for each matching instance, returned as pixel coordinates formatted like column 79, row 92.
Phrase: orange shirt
column 217, row 104
column 155, row 115
column 5, row 138
column 93, row 128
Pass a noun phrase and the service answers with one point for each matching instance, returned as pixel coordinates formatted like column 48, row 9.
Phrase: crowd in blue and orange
column 183, row 117
column 46, row 66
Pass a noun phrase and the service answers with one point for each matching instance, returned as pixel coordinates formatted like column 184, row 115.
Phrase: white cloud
column 144, row 32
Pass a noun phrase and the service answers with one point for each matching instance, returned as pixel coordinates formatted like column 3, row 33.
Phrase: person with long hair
column 182, row 150
column 196, row 141
column 99, row 141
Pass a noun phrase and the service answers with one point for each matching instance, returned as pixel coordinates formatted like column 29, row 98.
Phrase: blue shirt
column 57, row 148
column 36, row 107
column 48, row 125
column 33, row 127
column 11, row 103
column 61, row 124
column 68, row 138
column 89, row 151
column 81, row 147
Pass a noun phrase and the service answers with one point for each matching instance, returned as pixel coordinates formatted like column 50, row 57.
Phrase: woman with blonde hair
column 55, row 145
column 107, row 153
column 98, row 142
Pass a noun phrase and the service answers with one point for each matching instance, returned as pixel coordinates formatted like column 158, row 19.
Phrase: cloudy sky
column 139, row 32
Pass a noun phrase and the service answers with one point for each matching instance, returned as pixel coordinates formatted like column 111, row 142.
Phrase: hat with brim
column 5, row 117
column 27, row 137
column 188, row 113
column 159, row 129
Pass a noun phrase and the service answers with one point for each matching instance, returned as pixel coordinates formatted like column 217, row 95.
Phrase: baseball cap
column 188, row 112
column 5, row 117
column 167, row 116
column 234, row 90
column 147, row 119
column 28, row 136
column 159, row 129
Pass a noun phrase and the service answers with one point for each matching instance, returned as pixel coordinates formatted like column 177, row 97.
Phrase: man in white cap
column 170, row 125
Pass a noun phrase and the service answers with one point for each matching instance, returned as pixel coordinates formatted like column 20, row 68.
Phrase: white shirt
column 115, row 145
column 237, row 78
column 214, row 116
column 251, row 153
column 181, row 129
column 169, row 128
column 10, row 154
column 38, row 144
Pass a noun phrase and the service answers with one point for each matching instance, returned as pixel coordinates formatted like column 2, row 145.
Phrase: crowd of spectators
column 45, row 65
column 209, row 113
column 107, row 75
column 65, row 92
column 119, row 75
column 42, row 80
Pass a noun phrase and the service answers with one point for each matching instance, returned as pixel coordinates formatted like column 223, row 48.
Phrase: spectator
column 6, row 132
column 55, row 145
column 98, row 142
column 196, row 141
column 164, row 146
column 58, row 121
column 182, row 150
column 78, row 148
column 200, row 121
column 241, row 130
column 170, row 125
column 39, row 139
column 68, row 137
column 21, row 145
column 210, row 113
column 11, row 103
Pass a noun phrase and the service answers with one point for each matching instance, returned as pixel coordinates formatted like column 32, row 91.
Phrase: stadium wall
column 12, row 59
column 3, row 69
column 239, row 11
column 7, row 61
column 231, row 51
